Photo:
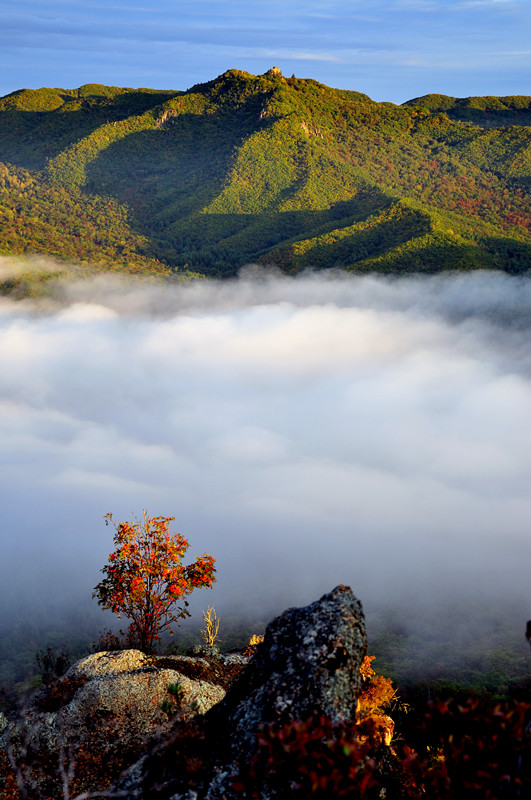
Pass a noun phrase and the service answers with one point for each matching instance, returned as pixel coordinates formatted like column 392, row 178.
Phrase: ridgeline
column 264, row 169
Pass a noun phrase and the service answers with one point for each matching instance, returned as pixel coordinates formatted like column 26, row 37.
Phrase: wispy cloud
column 295, row 55
column 441, row 46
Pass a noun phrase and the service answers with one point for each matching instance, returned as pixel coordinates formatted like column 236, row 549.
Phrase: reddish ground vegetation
column 59, row 693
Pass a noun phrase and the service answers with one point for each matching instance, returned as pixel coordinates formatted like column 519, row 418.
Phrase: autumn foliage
column 145, row 579
column 479, row 751
column 376, row 693
column 477, row 748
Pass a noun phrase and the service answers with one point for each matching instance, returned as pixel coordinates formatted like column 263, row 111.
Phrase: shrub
column 145, row 579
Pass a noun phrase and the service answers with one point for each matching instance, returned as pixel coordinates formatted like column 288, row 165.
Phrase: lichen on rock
column 105, row 712
column 307, row 666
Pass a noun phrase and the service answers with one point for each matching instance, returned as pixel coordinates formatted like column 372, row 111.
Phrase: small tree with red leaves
column 145, row 579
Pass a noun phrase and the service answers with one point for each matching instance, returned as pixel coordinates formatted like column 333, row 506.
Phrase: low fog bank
column 306, row 432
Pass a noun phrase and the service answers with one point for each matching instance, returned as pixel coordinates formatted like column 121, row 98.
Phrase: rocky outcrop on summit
column 308, row 665
column 103, row 725
column 105, row 713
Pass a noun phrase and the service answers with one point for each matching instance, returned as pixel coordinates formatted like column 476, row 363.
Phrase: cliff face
column 106, row 714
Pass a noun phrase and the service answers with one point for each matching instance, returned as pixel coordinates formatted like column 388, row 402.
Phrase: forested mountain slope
column 265, row 169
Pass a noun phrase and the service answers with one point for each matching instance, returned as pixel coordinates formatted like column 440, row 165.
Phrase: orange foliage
column 144, row 578
column 376, row 691
column 8, row 782
column 254, row 641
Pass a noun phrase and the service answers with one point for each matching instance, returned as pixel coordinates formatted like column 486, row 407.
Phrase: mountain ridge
column 281, row 171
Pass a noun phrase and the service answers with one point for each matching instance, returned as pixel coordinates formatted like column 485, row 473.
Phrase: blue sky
column 390, row 49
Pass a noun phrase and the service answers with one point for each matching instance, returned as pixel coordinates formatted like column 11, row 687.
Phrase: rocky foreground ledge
column 180, row 727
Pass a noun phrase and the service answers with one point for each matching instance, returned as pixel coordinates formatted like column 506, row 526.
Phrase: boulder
column 105, row 713
column 308, row 666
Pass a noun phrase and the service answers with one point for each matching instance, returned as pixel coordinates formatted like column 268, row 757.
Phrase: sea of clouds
column 305, row 431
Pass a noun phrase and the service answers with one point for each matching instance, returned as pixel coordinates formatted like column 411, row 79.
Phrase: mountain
column 279, row 171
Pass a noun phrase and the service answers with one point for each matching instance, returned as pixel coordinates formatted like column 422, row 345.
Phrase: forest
column 265, row 169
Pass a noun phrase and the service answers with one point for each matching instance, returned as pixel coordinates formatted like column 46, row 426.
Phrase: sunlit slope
column 280, row 171
column 488, row 112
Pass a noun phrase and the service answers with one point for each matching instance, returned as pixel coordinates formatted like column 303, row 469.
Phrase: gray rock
column 104, row 714
column 307, row 665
